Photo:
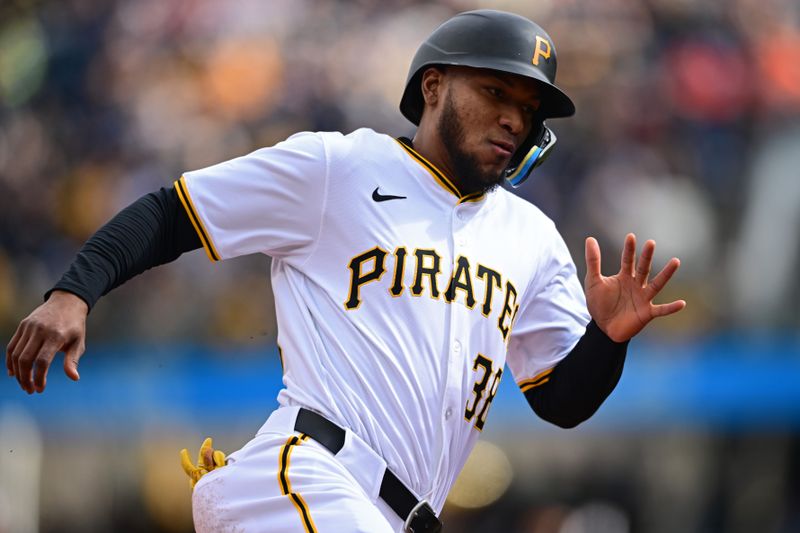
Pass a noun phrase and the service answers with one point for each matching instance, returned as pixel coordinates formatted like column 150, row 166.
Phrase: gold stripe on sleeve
column 539, row 379
column 286, row 487
column 526, row 388
column 188, row 205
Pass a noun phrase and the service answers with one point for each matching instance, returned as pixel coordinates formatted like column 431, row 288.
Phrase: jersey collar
column 439, row 176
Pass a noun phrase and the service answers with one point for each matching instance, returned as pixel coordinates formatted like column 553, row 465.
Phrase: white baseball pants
column 283, row 481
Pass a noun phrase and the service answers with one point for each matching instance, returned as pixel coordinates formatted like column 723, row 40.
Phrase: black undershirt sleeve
column 153, row 230
column 581, row 381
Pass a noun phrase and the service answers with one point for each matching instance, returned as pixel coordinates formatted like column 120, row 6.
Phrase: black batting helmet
column 500, row 41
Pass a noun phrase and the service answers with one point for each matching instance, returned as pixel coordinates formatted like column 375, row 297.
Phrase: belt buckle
column 422, row 519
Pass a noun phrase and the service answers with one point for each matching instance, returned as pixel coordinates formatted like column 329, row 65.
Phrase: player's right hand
column 58, row 325
column 207, row 460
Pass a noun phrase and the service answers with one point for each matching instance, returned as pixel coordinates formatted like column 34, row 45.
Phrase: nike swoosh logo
column 378, row 197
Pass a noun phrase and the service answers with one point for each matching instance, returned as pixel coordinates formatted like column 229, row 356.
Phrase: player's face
column 485, row 116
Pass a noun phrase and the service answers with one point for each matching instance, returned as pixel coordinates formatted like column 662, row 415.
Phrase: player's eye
column 531, row 109
column 495, row 92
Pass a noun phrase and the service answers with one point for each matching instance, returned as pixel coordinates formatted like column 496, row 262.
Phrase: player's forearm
column 153, row 230
column 582, row 381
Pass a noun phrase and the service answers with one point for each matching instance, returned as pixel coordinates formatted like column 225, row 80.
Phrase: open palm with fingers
column 622, row 305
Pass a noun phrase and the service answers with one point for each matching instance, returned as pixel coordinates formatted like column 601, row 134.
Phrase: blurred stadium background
column 688, row 131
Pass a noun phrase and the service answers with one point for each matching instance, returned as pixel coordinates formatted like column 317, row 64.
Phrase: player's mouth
column 503, row 148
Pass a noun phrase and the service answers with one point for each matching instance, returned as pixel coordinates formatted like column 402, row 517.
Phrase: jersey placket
column 457, row 360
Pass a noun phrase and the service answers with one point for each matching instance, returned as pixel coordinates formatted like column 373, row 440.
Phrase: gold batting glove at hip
column 207, row 460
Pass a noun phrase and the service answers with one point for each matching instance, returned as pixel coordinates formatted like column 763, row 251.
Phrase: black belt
column 418, row 515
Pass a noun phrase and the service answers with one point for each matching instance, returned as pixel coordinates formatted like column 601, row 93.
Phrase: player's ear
column 431, row 85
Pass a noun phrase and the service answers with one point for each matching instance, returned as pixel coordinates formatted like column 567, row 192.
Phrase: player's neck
column 430, row 146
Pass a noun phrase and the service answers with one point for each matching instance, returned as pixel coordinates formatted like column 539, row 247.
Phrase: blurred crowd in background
column 687, row 131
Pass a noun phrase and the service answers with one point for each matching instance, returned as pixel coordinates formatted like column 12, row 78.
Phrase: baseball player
column 405, row 281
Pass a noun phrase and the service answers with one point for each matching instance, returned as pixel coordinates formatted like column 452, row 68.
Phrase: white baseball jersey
column 399, row 300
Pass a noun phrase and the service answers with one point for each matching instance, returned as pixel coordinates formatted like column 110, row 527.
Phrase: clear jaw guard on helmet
column 516, row 173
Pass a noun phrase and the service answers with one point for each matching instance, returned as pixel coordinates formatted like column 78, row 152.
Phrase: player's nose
column 512, row 119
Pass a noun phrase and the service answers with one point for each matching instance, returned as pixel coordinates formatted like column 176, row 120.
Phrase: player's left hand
column 207, row 460
column 622, row 305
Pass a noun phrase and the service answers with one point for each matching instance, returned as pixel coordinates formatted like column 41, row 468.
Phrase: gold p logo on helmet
column 543, row 49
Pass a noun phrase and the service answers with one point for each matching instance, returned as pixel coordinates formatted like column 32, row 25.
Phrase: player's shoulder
column 360, row 139
column 359, row 151
column 358, row 136
column 522, row 212
column 541, row 244
column 335, row 146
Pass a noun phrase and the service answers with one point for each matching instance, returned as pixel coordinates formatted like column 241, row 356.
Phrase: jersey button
column 448, row 413
column 461, row 215
column 457, row 346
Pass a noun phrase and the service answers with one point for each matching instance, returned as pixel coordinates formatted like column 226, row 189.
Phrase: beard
column 467, row 169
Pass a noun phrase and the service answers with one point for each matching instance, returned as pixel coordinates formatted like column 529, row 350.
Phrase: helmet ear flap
column 530, row 155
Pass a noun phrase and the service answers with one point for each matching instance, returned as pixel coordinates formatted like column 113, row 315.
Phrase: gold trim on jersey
column 439, row 176
column 188, row 205
column 539, row 379
column 286, row 487
column 472, row 197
